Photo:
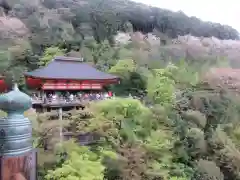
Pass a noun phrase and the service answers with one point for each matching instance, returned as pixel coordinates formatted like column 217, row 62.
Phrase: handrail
column 53, row 101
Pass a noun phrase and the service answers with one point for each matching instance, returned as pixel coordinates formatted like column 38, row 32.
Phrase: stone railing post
column 17, row 157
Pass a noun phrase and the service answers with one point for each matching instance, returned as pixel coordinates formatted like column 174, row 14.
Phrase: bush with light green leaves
column 81, row 164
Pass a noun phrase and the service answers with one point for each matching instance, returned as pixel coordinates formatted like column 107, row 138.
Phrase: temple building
column 67, row 82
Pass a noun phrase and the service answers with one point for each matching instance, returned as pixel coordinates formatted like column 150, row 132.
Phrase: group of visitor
column 73, row 97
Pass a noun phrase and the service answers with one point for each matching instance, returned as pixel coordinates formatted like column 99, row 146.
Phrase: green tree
column 4, row 61
column 132, row 82
column 161, row 87
column 81, row 164
column 49, row 54
column 100, row 54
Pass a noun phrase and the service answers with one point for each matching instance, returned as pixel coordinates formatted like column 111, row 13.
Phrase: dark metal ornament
column 15, row 129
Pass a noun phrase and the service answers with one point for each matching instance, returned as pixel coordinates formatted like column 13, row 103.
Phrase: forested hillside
column 103, row 18
column 29, row 27
column 181, row 119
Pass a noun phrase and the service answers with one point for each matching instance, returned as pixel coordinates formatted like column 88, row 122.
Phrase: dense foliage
column 166, row 123
column 85, row 28
column 183, row 128
column 105, row 17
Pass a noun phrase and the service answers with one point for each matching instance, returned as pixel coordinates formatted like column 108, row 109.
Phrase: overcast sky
column 221, row 11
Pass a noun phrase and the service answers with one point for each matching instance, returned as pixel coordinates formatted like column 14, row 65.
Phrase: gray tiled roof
column 69, row 68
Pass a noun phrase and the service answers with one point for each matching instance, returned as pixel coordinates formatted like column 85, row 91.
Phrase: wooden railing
column 55, row 101
column 62, row 101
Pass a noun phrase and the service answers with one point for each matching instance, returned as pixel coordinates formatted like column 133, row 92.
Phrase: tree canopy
column 168, row 121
